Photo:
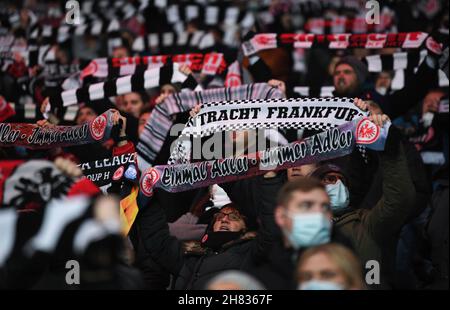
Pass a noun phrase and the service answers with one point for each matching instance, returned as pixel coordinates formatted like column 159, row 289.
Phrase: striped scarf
column 265, row 41
column 333, row 143
column 137, row 82
column 36, row 137
column 95, row 27
column 234, row 76
column 65, row 228
column 398, row 62
column 210, row 14
column 198, row 40
column 160, row 121
column 210, row 64
column 344, row 24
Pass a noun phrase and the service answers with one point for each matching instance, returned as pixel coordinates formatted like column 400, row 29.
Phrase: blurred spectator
column 329, row 267
column 143, row 117
column 134, row 103
column 234, row 280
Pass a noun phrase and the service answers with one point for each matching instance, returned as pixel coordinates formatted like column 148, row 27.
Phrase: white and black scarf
column 123, row 85
column 399, row 62
column 210, row 15
column 199, row 40
column 309, row 113
column 68, row 222
column 161, row 120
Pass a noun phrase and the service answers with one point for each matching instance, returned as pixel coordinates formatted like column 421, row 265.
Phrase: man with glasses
column 229, row 219
column 226, row 245
column 336, row 185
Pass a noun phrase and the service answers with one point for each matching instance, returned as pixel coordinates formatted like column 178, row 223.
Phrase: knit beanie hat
column 360, row 68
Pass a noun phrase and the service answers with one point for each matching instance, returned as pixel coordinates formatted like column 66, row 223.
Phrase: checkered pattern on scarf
column 160, row 121
column 181, row 153
column 362, row 150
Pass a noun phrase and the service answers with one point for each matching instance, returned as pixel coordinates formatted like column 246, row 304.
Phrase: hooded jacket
column 192, row 265
column 362, row 173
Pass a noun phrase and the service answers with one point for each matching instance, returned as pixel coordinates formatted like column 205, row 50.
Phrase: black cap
column 324, row 169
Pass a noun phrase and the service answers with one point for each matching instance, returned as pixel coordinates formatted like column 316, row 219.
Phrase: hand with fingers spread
column 279, row 84
column 44, row 123
column 115, row 118
column 123, row 139
column 68, row 167
column 360, row 104
column 379, row 119
column 374, row 137
column 161, row 98
column 195, row 110
column 185, row 69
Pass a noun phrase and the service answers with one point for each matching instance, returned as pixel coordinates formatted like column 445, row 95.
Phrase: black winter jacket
column 194, row 266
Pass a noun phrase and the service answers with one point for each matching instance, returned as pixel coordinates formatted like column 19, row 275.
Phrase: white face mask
column 317, row 285
column 427, row 119
column 381, row 90
column 339, row 195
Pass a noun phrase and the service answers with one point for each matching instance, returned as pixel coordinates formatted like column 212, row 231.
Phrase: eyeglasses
column 233, row 216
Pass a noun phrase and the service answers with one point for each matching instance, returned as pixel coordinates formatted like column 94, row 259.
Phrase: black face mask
column 215, row 239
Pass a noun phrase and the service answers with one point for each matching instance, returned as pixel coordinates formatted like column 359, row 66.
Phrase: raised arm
column 397, row 201
column 154, row 232
column 257, row 198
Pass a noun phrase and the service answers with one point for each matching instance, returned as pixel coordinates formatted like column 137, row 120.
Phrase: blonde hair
column 344, row 259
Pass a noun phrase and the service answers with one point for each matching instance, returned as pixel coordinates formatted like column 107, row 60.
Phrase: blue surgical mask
column 339, row 195
column 308, row 230
column 316, row 285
